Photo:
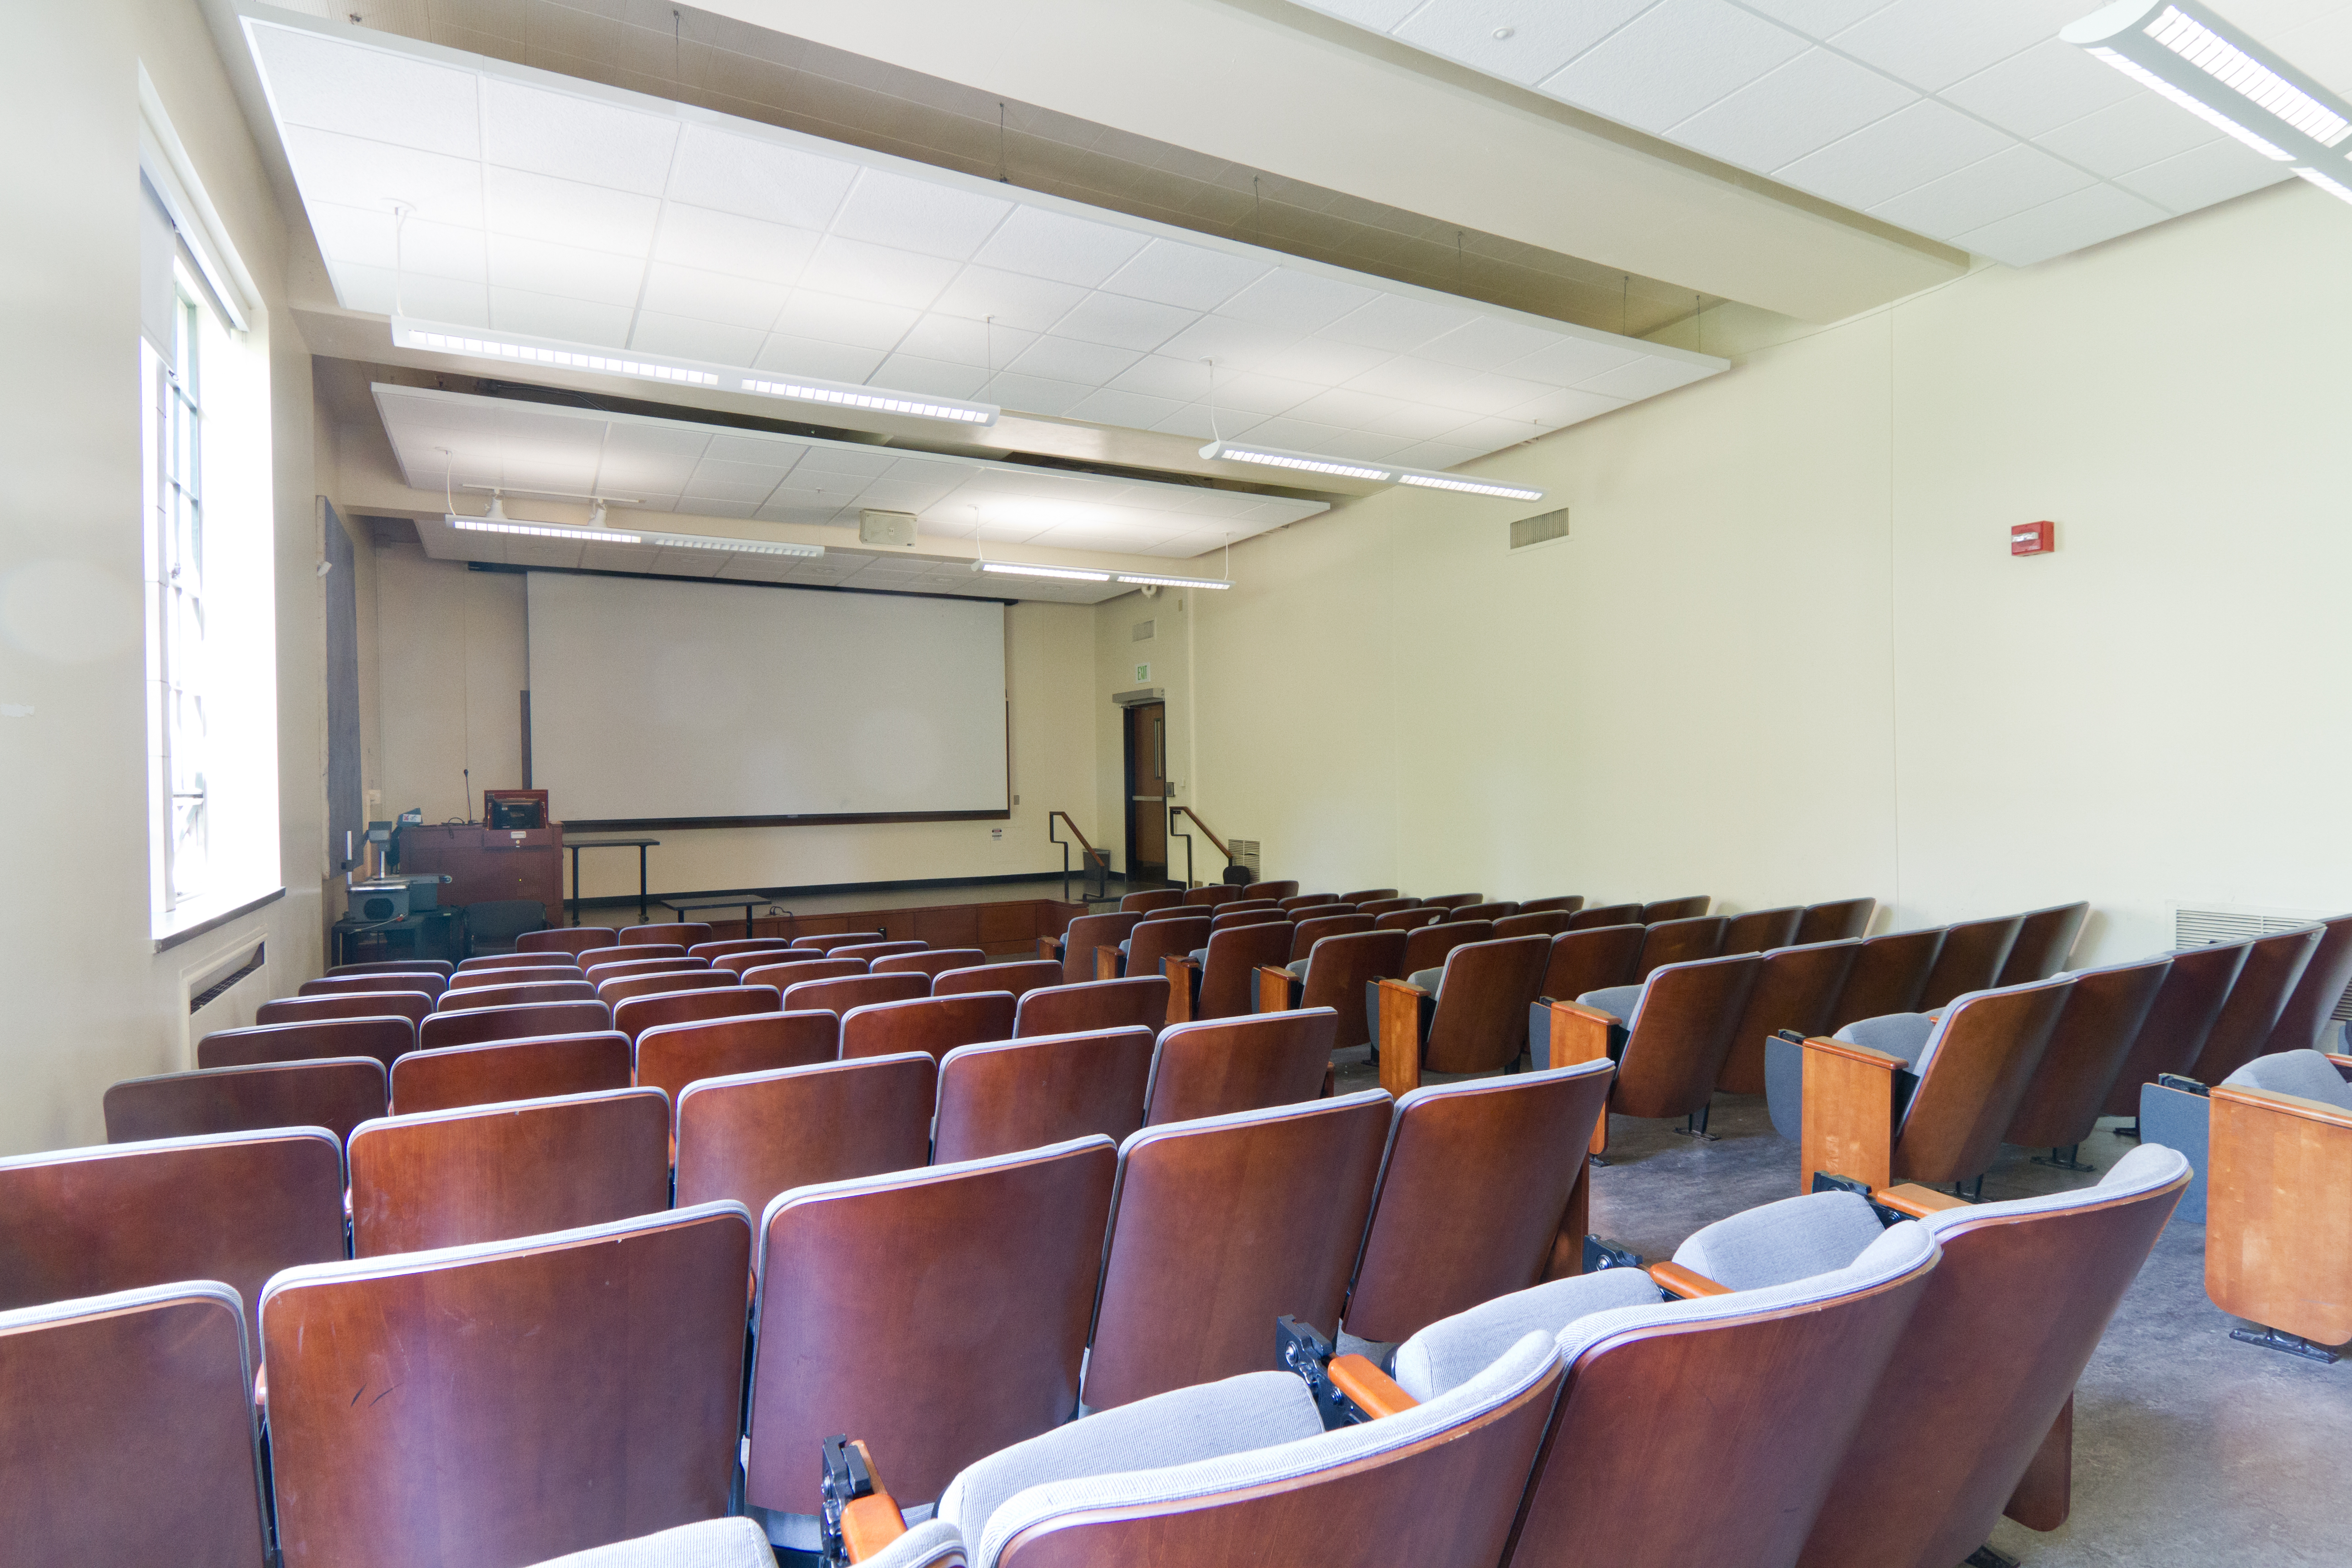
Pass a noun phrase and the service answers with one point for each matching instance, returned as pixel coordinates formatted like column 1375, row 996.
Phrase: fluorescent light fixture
column 542, row 530
column 2187, row 55
column 516, row 349
column 499, row 522
column 1145, row 580
column 2332, row 187
column 1306, row 462
column 1429, row 481
column 734, row 546
column 1016, row 569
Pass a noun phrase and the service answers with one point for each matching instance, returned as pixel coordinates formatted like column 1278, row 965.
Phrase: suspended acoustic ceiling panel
column 545, row 205
column 1964, row 121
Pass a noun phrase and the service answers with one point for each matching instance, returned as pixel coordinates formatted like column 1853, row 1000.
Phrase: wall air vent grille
column 1145, row 631
column 2193, row 925
column 1540, row 528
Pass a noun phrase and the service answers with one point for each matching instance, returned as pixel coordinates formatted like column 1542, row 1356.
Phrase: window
column 176, row 547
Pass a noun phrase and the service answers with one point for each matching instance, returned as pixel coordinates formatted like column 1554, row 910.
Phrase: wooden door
column 1147, row 792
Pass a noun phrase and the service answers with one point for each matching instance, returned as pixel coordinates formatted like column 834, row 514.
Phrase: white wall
column 89, row 1000
column 1785, row 655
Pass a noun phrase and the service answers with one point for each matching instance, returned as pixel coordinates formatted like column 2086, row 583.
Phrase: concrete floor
column 2190, row 1448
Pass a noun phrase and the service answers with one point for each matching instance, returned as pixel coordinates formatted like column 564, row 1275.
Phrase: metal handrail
column 1206, row 832
column 1094, row 857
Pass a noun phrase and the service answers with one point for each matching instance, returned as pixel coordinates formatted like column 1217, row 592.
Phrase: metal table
column 639, row 844
column 686, row 906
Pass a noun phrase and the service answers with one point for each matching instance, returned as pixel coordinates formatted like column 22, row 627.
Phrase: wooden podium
column 486, row 863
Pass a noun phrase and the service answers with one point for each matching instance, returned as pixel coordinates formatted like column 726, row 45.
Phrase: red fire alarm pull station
column 2033, row 538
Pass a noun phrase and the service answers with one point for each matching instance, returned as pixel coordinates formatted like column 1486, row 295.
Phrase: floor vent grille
column 1540, row 528
column 1145, row 630
column 2193, row 926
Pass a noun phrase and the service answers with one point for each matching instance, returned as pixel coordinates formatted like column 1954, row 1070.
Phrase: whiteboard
column 666, row 699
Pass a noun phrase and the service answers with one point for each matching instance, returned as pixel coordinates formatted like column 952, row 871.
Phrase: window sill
column 185, row 924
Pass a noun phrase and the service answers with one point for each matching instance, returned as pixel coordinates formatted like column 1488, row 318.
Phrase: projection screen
column 660, row 700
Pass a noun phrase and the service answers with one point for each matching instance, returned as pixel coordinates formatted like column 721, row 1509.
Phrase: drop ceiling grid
column 1967, row 123
column 774, row 249
column 463, row 442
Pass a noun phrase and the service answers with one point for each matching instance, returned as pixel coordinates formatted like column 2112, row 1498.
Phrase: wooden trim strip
column 2288, row 1104
column 1374, row 1392
column 1687, row 1283
column 1917, row 1201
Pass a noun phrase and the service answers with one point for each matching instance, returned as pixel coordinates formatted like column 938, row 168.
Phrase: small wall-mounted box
column 2033, row 538
column 892, row 528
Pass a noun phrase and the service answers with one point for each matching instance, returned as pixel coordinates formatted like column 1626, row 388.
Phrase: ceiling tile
column 1353, row 410
column 1541, row 38
column 1030, row 304
column 1033, row 394
column 436, row 299
column 2141, row 129
column 727, row 242
column 1798, row 109
column 1642, row 378
column 829, row 318
column 909, row 373
column 1931, row 44
column 1396, row 322
column 1907, row 149
column 1816, row 18
column 553, row 316
column 1199, row 422
column 1297, row 301
column 598, row 276
column 1235, row 346
column 1674, row 60
column 2042, row 89
column 1997, row 187
column 1046, row 243
column 536, row 207
column 1066, row 359
column 1157, row 375
column 2213, row 173
column 758, row 179
column 432, row 250
column 881, row 273
column 1122, row 322
column 335, row 86
column 1191, row 275
column 960, row 341
column 919, row 215
column 824, row 360
column 1255, row 394
column 1487, row 344
column 2071, row 222
column 374, row 175
column 576, row 138
column 2320, row 44
column 1438, row 454
column 1566, row 408
column 1572, row 360
column 712, row 295
column 1323, row 362
column 690, row 339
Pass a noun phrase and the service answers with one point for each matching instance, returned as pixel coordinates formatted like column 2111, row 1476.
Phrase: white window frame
column 178, row 785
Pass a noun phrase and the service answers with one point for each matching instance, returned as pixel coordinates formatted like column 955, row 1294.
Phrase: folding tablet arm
column 1278, row 990
column 1400, row 1031
column 1849, row 1114
column 1582, row 1034
column 1183, row 987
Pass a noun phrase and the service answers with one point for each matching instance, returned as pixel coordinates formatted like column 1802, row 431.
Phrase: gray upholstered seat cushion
column 1201, row 956
column 1904, row 1034
column 1453, row 1349
column 1778, row 1242
column 932, row 1542
column 1429, row 980
column 713, row 1543
column 2306, row 1074
column 1123, row 941
column 1620, row 1002
column 1297, row 966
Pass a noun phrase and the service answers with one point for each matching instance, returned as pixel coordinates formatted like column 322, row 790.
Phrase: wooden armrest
column 1398, row 1029
column 1849, row 1113
column 1277, row 989
column 1107, row 963
column 2343, row 1064
column 1182, row 975
column 1687, row 1283
column 1580, row 1034
column 1374, row 1392
column 2286, row 1104
column 1049, row 947
column 1917, row 1201
column 872, row 1521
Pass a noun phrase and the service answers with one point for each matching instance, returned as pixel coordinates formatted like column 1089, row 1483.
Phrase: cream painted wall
column 91, row 1000
column 1116, row 653
column 451, row 655
column 1785, row 655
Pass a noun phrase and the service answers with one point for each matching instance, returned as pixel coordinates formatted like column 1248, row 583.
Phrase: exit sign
column 1142, row 673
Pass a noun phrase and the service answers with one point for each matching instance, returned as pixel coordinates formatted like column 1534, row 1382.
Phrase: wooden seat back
column 620, row 953
column 1221, row 1066
column 1480, row 1023
column 680, row 934
column 455, row 1076
column 1426, row 947
column 414, row 1005
column 915, row 1258
column 2020, row 1370
column 620, row 988
column 1534, row 922
column 1338, row 969
column 1682, row 1034
column 1227, row 986
column 932, row 1025
column 440, row 966
column 684, row 963
column 337, row 1093
column 1795, row 989
column 1835, row 921
column 536, row 974
column 1306, row 933
column 574, row 940
column 747, row 1136
column 930, row 960
column 128, row 1431
column 1607, row 915
column 1388, row 905
column 738, row 958
column 1202, row 1258
column 715, row 950
column 1476, row 1189
column 526, row 958
column 1562, row 903
column 1413, row 917
column 1455, row 901
column 2173, row 1034
column 831, row 940
column 582, row 1389
column 795, row 970
column 1153, row 942
column 449, row 1178
column 529, row 994
column 871, row 950
column 1888, row 973
column 1230, row 916
column 423, row 980
column 2311, row 1005
column 1659, row 911
column 475, row 1025
column 1309, row 901
column 2045, row 939
column 1085, row 934
column 384, row 1038
column 1214, row 893
column 1968, row 1091
column 1969, row 958
column 232, row 1206
column 1010, row 1095
column 1760, row 931
column 843, row 993
column 1274, row 892
column 672, row 1056
column 1678, row 941
column 634, row 1014
column 1151, row 899
column 1590, row 958
column 1018, row 979
column 2273, row 965
column 2104, row 1014
column 1487, row 909
column 1363, row 895
column 1097, row 1004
